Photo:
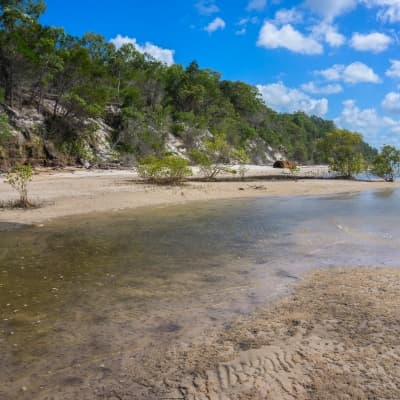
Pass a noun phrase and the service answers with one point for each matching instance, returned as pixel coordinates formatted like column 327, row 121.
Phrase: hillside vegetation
column 69, row 99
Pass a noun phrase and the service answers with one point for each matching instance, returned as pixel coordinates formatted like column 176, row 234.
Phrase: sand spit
column 74, row 192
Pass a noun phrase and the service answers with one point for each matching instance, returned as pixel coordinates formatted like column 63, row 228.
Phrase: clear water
column 93, row 291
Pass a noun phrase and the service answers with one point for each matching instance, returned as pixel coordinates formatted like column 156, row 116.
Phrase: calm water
column 83, row 295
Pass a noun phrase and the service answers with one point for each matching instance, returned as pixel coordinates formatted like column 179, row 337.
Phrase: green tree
column 18, row 19
column 142, row 99
column 19, row 178
column 387, row 163
column 344, row 151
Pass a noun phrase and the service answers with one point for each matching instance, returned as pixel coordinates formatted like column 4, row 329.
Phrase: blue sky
column 338, row 59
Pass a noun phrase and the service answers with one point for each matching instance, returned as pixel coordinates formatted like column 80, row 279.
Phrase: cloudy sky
column 338, row 59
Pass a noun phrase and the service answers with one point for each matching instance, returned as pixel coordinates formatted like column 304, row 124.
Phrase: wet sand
column 77, row 192
column 336, row 337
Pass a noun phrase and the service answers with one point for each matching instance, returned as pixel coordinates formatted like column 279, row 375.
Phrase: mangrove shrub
column 163, row 170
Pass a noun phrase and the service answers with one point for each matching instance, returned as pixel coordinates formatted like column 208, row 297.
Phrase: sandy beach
column 73, row 192
column 334, row 337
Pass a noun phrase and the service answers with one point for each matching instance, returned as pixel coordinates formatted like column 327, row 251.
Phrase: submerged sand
column 337, row 337
column 74, row 192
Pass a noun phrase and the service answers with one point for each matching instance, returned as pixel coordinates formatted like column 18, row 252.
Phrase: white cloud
column 257, row 5
column 356, row 72
column 206, row 7
column 375, row 42
column 165, row 56
column 332, row 74
column 244, row 22
column 391, row 103
column 313, row 88
column 376, row 129
column 329, row 33
column 285, row 16
column 284, row 99
column 334, row 38
column 389, row 9
column 241, row 32
column 217, row 23
column 287, row 37
column 329, row 9
column 394, row 70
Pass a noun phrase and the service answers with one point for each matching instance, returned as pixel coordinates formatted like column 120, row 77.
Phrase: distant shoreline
column 77, row 191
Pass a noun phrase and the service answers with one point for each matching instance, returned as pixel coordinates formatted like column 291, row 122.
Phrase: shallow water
column 81, row 296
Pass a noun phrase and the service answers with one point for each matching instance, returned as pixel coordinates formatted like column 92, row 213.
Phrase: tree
column 73, row 80
column 344, row 152
column 386, row 163
column 18, row 18
column 19, row 178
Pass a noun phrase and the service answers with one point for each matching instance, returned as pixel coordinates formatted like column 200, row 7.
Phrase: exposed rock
column 101, row 140
column 261, row 153
column 32, row 143
column 176, row 146
column 284, row 164
column 28, row 121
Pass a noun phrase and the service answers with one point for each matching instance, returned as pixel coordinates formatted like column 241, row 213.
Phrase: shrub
column 19, row 177
column 213, row 157
column 386, row 163
column 242, row 158
column 344, row 151
column 163, row 170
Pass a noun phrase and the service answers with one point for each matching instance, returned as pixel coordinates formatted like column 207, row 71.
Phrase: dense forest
column 76, row 84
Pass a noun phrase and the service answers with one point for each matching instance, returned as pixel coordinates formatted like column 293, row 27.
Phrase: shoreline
column 331, row 333
column 78, row 192
column 328, row 340
column 335, row 336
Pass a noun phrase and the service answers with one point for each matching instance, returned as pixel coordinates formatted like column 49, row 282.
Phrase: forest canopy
column 72, row 80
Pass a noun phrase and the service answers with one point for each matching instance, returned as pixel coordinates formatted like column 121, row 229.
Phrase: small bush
column 19, row 178
column 214, row 156
column 208, row 167
column 164, row 170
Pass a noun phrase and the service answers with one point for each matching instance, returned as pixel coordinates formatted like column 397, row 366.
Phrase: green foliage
column 242, row 158
column 163, row 170
column 19, row 177
column 344, row 151
column 214, row 156
column 387, row 163
column 76, row 150
column 85, row 76
column 5, row 129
